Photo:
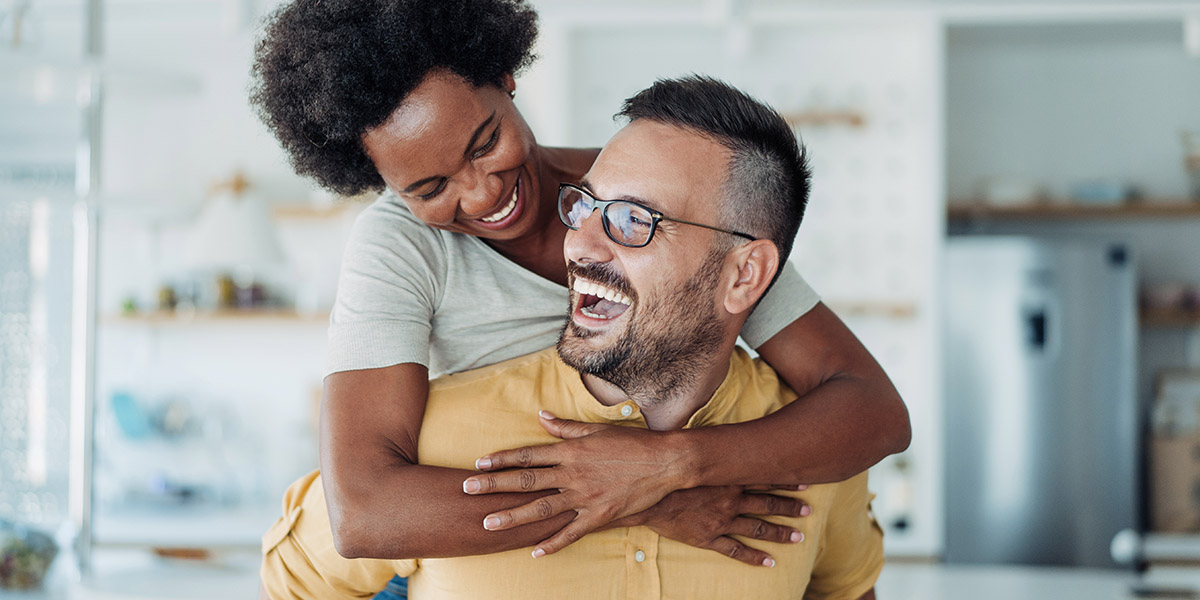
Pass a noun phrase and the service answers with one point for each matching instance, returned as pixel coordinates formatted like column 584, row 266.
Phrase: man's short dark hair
column 766, row 188
column 327, row 71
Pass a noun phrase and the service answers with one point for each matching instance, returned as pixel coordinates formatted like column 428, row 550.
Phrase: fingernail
column 801, row 487
column 538, row 553
column 801, row 537
column 805, row 510
column 768, row 562
column 796, row 537
column 483, row 463
column 545, row 414
column 491, row 522
column 470, row 486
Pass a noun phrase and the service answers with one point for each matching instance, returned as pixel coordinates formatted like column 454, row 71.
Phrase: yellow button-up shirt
column 471, row 414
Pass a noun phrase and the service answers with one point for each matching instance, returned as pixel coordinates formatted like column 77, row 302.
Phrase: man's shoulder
column 757, row 376
column 533, row 368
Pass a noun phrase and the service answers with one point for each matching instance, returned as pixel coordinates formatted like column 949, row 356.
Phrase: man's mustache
column 602, row 274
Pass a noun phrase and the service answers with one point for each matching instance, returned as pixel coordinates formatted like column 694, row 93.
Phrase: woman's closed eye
column 488, row 145
column 482, row 151
column 436, row 190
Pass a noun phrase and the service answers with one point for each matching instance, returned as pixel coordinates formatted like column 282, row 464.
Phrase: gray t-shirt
column 411, row 293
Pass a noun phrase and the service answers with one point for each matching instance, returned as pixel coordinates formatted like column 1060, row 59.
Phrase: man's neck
column 672, row 408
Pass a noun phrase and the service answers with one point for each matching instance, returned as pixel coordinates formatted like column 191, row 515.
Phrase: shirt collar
column 715, row 411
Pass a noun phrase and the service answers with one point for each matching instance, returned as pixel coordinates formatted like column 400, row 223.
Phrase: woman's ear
column 509, row 84
column 755, row 264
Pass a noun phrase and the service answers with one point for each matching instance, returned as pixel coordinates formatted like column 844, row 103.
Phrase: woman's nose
column 480, row 192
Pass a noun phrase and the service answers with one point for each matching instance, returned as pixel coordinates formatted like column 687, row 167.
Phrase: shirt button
column 625, row 412
column 639, row 556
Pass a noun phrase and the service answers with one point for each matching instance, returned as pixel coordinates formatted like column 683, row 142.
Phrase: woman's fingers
column 538, row 510
column 788, row 487
column 771, row 504
column 528, row 456
column 566, row 429
column 764, row 530
column 524, row 480
column 566, row 536
column 740, row 552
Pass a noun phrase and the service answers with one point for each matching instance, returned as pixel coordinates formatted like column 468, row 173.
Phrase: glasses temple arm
column 729, row 231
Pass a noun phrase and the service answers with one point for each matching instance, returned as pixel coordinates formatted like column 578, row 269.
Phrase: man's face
column 648, row 312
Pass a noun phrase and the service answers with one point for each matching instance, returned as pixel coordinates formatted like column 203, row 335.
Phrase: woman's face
column 461, row 157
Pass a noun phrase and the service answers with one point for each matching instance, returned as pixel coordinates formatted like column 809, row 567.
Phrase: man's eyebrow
column 470, row 145
column 585, row 184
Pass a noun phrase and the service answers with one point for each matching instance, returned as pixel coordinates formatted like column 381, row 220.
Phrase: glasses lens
column 574, row 206
column 628, row 223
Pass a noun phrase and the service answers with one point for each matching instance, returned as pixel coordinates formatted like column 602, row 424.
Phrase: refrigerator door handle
column 1043, row 327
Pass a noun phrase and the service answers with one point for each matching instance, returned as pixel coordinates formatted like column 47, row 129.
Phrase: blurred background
column 1005, row 209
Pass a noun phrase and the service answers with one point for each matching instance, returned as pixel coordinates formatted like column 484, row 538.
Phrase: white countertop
column 130, row 575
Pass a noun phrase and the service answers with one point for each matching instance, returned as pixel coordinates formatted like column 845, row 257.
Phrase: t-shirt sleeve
column 851, row 554
column 789, row 299
column 389, row 287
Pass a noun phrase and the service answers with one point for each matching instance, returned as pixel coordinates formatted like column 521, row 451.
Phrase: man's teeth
column 504, row 212
column 595, row 289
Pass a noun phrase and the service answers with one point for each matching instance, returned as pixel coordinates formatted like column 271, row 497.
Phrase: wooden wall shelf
column 890, row 310
column 308, row 212
column 1142, row 210
column 280, row 315
column 1170, row 318
column 825, row 118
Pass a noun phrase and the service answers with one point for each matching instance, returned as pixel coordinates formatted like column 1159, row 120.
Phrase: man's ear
column 755, row 264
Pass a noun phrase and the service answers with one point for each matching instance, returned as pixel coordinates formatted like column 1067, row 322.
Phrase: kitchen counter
column 128, row 575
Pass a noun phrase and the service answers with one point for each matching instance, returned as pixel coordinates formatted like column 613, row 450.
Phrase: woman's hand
column 708, row 517
column 607, row 473
column 602, row 472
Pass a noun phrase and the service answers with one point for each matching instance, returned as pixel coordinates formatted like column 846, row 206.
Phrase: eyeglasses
column 626, row 222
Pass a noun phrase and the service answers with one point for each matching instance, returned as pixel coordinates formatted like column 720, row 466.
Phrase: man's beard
column 663, row 348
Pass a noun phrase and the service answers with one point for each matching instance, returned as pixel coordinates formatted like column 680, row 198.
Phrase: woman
column 460, row 265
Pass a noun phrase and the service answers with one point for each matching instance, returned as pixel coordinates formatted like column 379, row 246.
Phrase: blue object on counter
column 133, row 421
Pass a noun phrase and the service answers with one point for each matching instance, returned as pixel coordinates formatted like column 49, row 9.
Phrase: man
column 678, row 230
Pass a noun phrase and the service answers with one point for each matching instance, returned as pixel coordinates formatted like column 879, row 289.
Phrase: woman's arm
column 384, row 505
column 847, row 418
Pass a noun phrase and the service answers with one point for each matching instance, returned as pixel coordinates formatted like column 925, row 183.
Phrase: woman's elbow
column 350, row 538
column 901, row 429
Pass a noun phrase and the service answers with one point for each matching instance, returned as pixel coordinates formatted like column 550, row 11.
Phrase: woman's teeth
column 595, row 289
column 504, row 212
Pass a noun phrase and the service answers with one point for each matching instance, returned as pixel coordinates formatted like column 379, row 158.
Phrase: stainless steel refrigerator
column 1042, row 427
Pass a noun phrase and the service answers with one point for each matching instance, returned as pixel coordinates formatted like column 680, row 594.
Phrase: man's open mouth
column 507, row 209
column 600, row 302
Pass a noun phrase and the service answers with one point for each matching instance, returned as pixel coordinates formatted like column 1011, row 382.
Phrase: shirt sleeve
column 851, row 554
column 389, row 287
column 789, row 299
column 299, row 558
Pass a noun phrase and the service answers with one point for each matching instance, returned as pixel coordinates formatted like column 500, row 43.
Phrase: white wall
column 1061, row 104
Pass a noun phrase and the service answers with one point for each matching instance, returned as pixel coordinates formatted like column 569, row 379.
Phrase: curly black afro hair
column 327, row 71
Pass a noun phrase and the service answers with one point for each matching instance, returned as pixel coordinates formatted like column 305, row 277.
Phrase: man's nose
column 480, row 192
column 588, row 243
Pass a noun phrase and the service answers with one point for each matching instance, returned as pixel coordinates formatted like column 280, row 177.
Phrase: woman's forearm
column 828, row 435
column 848, row 415
column 418, row 511
column 384, row 505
